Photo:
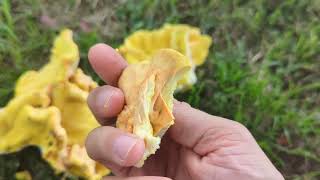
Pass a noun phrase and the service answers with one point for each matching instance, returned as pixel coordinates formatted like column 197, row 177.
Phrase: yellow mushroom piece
column 148, row 89
column 49, row 110
column 23, row 175
column 186, row 39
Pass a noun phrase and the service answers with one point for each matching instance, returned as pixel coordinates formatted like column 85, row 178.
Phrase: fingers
column 136, row 178
column 192, row 125
column 105, row 103
column 111, row 145
column 107, row 63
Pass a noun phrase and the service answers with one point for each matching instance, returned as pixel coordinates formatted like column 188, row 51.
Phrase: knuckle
column 184, row 104
column 239, row 125
column 240, row 128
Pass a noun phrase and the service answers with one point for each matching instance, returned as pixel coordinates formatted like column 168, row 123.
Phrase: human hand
column 198, row 146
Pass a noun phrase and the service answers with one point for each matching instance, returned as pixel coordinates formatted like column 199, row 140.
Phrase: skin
column 198, row 146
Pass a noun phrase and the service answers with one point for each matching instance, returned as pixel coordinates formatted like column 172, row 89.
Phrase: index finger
column 107, row 63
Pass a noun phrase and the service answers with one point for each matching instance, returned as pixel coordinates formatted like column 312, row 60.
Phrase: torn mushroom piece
column 148, row 89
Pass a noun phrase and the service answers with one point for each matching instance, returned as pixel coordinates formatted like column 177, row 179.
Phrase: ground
column 263, row 69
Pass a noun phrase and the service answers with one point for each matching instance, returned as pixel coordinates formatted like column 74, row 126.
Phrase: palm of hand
column 227, row 153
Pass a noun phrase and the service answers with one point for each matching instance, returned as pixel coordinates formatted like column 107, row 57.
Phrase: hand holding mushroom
column 197, row 146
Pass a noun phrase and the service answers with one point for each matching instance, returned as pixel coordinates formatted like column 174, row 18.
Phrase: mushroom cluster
column 187, row 40
column 49, row 110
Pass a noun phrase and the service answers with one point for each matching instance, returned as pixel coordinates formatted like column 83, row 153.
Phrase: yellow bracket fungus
column 148, row 89
column 184, row 38
column 49, row 110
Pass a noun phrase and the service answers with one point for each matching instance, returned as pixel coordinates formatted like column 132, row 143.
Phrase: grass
column 262, row 70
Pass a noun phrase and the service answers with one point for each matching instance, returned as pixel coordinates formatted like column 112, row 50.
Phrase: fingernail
column 103, row 104
column 123, row 145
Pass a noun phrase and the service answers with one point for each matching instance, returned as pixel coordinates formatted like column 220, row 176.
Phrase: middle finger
column 106, row 102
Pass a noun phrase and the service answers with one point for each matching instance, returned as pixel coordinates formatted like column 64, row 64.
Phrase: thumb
column 191, row 125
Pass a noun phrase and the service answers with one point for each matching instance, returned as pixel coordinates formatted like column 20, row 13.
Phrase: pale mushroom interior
column 148, row 90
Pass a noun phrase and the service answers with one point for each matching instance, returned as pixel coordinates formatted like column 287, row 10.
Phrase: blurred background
column 263, row 68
